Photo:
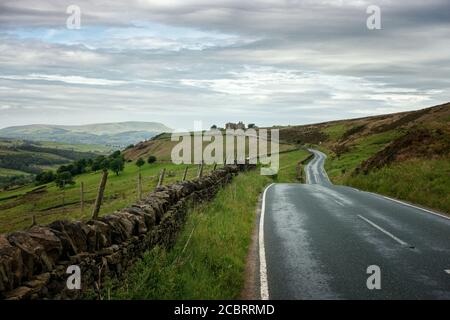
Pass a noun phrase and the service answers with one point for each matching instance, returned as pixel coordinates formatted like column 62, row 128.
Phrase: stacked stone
column 33, row 263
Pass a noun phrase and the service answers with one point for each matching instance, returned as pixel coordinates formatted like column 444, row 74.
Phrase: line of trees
column 64, row 174
column 140, row 162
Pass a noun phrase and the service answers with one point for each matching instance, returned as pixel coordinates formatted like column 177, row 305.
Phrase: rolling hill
column 112, row 134
column 404, row 155
column 21, row 159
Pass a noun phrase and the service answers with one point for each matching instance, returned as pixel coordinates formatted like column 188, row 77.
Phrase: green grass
column 121, row 191
column 10, row 172
column 96, row 148
column 335, row 132
column 421, row 181
column 213, row 263
column 288, row 165
column 19, row 205
column 424, row 182
column 338, row 167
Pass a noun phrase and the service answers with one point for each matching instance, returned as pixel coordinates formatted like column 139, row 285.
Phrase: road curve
column 318, row 241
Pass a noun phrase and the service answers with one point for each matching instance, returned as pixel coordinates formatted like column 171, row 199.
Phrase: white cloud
column 65, row 79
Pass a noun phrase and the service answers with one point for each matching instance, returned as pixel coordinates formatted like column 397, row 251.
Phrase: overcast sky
column 177, row 61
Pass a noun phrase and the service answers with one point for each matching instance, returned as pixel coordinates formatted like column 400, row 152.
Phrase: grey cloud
column 305, row 57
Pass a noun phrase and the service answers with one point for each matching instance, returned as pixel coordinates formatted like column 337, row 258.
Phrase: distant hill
column 425, row 132
column 112, row 134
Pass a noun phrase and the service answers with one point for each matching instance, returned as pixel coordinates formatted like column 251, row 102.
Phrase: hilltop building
column 235, row 126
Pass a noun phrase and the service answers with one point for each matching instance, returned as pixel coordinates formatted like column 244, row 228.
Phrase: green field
column 11, row 172
column 96, row 148
column 20, row 158
column 19, row 205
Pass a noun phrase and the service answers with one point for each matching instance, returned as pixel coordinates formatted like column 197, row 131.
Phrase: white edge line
column 323, row 168
column 307, row 180
column 412, row 206
column 447, row 271
column 403, row 243
column 262, row 251
column 306, row 173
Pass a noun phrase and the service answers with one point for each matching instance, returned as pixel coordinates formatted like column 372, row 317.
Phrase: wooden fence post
column 64, row 196
column 161, row 177
column 101, row 190
column 185, row 173
column 139, row 186
column 200, row 170
column 82, row 197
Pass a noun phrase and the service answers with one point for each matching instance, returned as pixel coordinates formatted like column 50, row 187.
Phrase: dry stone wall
column 33, row 263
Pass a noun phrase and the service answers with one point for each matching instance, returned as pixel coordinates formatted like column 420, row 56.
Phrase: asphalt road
column 317, row 241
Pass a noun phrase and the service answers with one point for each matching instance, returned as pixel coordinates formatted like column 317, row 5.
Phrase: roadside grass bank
column 209, row 257
column 290, row 164
column 424, row 182
column 338, row 167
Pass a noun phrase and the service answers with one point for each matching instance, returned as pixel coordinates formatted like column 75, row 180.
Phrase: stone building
column 235, row 126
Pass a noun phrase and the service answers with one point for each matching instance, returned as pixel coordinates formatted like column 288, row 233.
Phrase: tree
column 251, row 126
column 213, row 126
column 64, row 178
column 81, row 166
column 116, row 165
column 45, row 177
column 97, row 163
column 151, row 159
column 105, row 164
column 140, row 162
column 115, row 154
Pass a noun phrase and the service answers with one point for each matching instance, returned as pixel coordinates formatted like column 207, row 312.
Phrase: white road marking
column 307, row 174
column 403, row 243
column 447, row 271
column 339, row 203
column 314, row 171
column 336, row 196
column 412, row 206
column 262, row 251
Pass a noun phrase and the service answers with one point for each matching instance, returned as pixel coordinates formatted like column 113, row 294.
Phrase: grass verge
column 208, row 259
column 209, row 256
column 425, row 182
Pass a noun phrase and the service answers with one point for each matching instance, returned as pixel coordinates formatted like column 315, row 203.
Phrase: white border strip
column 403, row 243
column 410, row 205
column 262, row 251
